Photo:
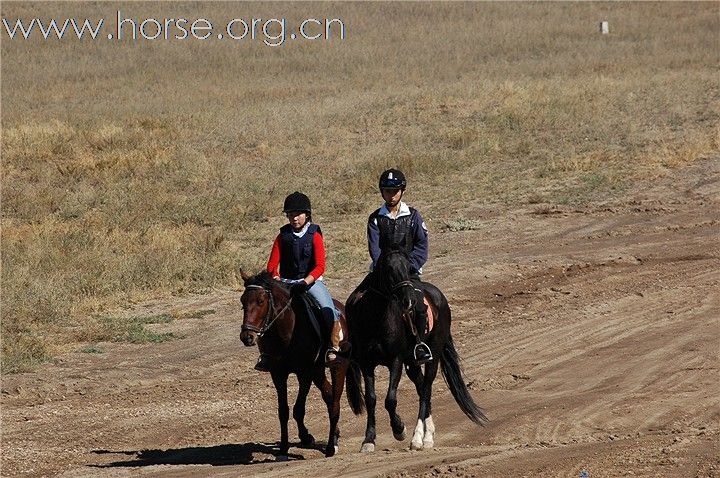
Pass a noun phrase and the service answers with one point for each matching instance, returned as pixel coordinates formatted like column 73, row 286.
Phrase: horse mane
column 394, row 248
column 263, row 279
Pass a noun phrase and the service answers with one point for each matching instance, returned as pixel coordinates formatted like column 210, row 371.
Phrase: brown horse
column 281, row 328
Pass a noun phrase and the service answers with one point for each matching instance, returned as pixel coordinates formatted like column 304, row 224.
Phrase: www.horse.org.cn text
column 270, row 31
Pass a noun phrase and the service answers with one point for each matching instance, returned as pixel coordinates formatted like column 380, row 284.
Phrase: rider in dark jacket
column 397, row 224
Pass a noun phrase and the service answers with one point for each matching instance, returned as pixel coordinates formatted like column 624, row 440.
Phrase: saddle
column 314, row 313
column 358, row 295
column 323, row 326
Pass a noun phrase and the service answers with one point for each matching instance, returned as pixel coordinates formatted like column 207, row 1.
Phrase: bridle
column 400, row 285
column 267, row 322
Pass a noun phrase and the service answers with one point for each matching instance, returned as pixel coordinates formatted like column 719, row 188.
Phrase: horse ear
column 241, row 274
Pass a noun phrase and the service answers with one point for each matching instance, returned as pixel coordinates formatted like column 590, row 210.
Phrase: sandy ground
column 590, row 336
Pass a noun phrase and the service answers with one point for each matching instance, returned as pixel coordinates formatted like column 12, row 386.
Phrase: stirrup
column 425, row 354
column 335, row 358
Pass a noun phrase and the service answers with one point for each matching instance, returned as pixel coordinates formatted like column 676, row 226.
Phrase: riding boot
column 421, row 353
column 331, row 357
column 264, row 363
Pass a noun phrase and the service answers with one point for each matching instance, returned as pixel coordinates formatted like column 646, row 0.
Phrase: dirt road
column 590, row 336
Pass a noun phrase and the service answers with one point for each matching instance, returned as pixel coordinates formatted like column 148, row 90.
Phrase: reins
column 276, row 315
column 395, row 288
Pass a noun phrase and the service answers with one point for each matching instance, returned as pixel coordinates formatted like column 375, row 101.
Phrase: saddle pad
column 430, row 315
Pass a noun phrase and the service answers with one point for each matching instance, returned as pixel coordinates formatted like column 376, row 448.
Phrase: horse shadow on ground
column 219, row 455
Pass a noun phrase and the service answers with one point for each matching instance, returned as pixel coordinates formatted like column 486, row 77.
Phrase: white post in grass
column 604, row 27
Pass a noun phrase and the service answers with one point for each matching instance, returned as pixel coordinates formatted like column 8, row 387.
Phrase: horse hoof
column 330, row 451
column 307, row 441
column 281, row 458
column 427, row 444
column 402, row 435
column 416, row 445
column 367, row 448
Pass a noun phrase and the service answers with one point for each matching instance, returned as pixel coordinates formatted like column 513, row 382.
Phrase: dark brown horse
column 380, row 333
column 281, row 328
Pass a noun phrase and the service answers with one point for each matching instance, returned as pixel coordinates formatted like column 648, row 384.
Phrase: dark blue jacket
column 408, row 231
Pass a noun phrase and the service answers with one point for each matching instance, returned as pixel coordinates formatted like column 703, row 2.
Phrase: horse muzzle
column 248, row 337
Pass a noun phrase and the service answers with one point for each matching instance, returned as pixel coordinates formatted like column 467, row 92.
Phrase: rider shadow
column 220, row 455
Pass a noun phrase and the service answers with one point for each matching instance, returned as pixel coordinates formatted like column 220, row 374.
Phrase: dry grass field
column 570, row 181
column 136, row 170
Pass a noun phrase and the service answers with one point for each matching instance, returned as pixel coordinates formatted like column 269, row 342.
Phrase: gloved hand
column 299, row 288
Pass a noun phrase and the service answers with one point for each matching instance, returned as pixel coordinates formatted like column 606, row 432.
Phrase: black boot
column 264, row 363
column 422, row 353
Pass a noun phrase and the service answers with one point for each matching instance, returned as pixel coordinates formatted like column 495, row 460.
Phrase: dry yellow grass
column 139, row 169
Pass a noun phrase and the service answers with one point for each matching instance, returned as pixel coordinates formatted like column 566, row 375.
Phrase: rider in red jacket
column 298, row 257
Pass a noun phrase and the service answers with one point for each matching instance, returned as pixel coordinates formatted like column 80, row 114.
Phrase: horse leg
column 415, row 373
column 338, row 383
column 398, row 427
column 280, row 381
column 370, row 400
column 332, row 401
column 427, row 439
column 304, row 381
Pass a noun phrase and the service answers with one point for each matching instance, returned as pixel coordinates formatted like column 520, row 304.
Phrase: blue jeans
column 322, row 295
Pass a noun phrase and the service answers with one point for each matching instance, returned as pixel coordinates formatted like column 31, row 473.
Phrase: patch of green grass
column 132, row 330
column 153, row 319
column 138, row 334
column 91, row 349
column 461, row 224
column 197, row 314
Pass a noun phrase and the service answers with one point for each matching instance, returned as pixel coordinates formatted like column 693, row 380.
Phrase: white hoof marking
column 367, row 448
column 429, row 437
column 417, row 440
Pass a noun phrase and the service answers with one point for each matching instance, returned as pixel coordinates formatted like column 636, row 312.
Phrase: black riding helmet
column 297, row 201
column 391, row 179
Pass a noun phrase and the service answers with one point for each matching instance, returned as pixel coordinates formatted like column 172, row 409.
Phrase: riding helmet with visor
column 392, row 179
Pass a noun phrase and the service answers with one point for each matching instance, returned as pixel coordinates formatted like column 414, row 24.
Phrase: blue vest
column 297, row 257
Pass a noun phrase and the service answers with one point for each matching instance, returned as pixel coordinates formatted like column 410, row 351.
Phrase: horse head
column 394, row 267
column 257, row 305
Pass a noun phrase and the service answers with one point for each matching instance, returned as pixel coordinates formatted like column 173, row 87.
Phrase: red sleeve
column 319, row 251
column 273, row 265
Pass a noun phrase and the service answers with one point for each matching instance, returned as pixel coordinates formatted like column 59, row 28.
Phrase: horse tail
column 353, row 388
column 456, row 383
